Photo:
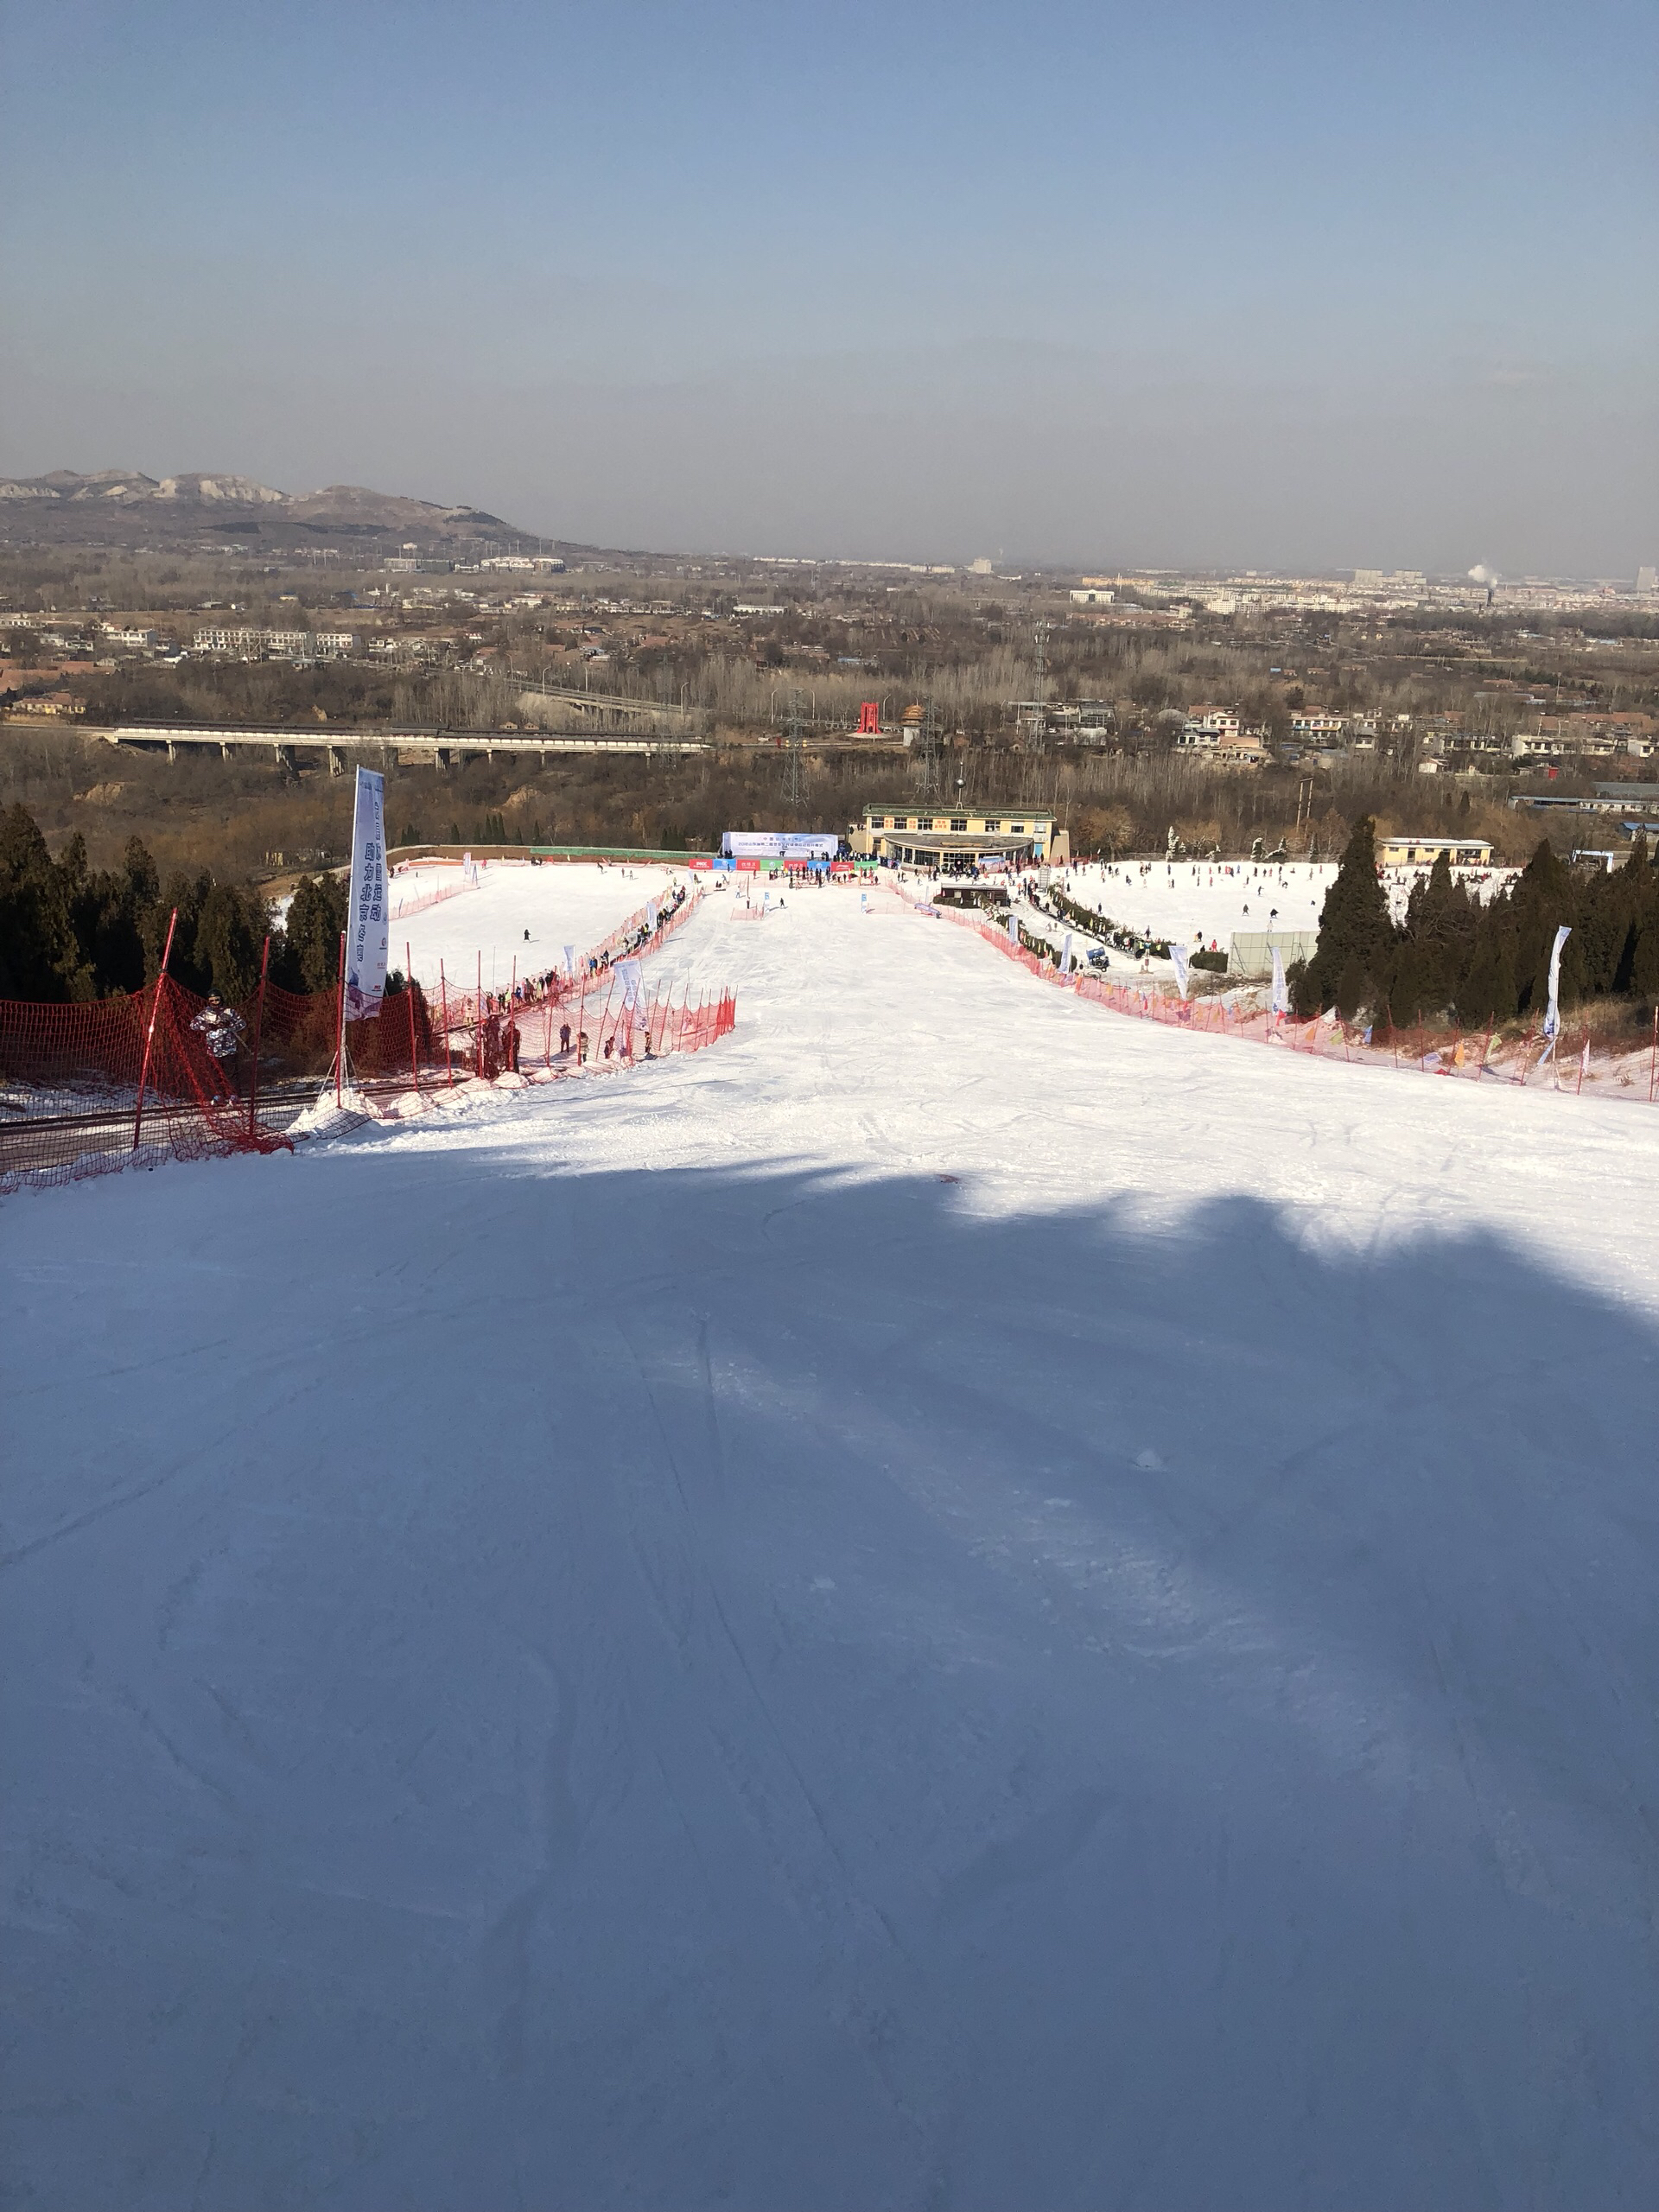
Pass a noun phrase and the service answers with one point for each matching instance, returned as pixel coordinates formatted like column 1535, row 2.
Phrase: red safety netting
column 163, row 1074
column 1476, row 1055
column 86, row 1088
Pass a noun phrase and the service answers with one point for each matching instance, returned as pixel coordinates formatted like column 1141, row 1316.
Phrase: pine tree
column 308, row 958
column 1355, row 931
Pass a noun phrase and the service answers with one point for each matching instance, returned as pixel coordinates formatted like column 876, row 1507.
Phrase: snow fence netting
column 1475, row 1055
column 89, row 1088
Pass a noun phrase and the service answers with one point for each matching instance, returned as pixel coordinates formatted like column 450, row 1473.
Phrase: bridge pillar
column 172, row 750
column 224, row 750
column 336, row 765
column 440, row 756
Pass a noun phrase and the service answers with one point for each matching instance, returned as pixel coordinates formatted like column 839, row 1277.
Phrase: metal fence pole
column 149, row 1033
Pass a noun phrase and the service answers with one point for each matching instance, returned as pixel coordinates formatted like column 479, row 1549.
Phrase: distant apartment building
column 1647, row 580
column 278, row 645
column 1392, row 580
column 1092, row 596
column 127, row 639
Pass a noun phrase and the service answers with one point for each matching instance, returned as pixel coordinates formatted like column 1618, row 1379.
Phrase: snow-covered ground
column 957, row 1601
column 1189, row 902
column 574, row 904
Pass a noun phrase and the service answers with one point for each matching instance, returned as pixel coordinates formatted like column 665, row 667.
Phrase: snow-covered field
column 558, row 905
column 959, row 1601
column 1189, row 902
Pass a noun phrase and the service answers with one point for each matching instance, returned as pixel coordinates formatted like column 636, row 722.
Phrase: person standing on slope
column 221, row 1030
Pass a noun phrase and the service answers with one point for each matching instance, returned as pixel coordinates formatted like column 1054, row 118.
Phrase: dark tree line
column 69, row 932
column 1457, row 957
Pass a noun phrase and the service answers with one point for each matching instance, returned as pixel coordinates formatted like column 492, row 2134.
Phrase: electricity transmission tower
column 794, row 749
column 927, row 751
column 1039, row 690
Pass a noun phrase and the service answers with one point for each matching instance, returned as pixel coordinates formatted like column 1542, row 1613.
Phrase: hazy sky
column 1274, row 285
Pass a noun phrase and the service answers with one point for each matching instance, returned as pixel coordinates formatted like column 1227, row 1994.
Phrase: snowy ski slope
column 559, row 906
column 958, row 1601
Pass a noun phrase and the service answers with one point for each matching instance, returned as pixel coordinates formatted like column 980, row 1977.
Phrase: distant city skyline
column 1103, row 288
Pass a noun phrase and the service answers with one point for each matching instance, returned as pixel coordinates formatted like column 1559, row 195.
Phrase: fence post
column 258, row 1024
column 149, row 1033
column 1653, row 1056
column 443, row 1002
column 340, row 1038
column 409, row 992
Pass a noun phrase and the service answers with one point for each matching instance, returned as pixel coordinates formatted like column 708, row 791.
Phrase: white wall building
column 1207, row 728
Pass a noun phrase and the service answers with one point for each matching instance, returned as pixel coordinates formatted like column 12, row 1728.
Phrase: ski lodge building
column 1423, row 852
column 954, row 843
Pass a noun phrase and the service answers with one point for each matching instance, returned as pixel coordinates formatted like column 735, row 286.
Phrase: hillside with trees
column 1458, row 959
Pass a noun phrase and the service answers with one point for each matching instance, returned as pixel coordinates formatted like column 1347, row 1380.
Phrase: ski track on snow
column 956, row 1602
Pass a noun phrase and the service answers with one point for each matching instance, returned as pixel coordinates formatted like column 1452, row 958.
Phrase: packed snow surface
column 557, row 904
column 959, row 1601
column 1189, row 902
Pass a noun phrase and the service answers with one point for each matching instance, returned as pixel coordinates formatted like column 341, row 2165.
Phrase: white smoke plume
column 1480, row 573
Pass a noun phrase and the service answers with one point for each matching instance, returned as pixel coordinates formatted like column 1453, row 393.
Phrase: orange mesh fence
column 1476, row 1055
column 162, row 1074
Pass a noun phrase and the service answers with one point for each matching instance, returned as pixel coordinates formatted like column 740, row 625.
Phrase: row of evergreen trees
column 71, row 931
column 1458, row 958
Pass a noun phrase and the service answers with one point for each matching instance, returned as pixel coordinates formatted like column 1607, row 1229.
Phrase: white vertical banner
column 1553, row 1013
column 569, row 959
column 365, row 920
column 1066, row 954
column 650, row 916
column 1281, row 989
column 627, row 973
column 1013, row 929
column 1183, row 976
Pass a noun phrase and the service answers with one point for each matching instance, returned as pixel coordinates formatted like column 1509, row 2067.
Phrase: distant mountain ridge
column 109, row 504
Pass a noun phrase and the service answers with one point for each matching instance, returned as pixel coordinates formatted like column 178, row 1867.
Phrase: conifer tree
column 1355, row 932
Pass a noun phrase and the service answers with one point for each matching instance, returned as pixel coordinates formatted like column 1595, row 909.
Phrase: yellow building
column 1423, row 852
column 935, row 837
